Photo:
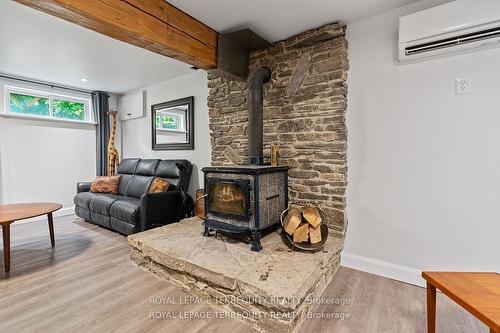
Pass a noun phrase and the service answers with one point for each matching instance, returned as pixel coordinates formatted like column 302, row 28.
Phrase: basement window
column 171, row 120
column 21, row 102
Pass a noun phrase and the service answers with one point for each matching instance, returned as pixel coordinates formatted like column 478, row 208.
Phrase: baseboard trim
column 61, row 212
column 383, row 268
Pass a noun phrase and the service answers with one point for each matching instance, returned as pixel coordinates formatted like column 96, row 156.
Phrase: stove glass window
column 227, row 198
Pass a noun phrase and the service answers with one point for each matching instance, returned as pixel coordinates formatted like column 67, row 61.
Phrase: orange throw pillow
column 104, row 184
column 159, row 185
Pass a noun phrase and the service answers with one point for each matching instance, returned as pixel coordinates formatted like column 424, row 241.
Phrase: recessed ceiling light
column 83, row 79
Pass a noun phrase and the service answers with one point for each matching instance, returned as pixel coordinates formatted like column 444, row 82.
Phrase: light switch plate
column 462, row 85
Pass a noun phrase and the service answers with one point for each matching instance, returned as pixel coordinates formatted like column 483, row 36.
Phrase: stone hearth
column 271, row 290
column 304, row 105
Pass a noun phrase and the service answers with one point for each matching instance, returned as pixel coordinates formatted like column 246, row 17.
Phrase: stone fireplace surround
column 304, row 112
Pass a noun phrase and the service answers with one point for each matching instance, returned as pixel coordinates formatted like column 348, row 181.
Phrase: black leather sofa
column 133, row 209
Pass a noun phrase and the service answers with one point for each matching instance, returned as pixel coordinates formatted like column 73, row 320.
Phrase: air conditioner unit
column 457, row 26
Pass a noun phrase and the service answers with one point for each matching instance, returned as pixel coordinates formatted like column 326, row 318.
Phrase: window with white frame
column 171, row 119
column 39, row 104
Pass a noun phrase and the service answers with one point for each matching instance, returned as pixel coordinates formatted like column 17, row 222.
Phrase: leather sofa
column 133, row 209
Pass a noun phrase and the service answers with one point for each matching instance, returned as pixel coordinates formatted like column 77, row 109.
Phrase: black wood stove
column 245, row 199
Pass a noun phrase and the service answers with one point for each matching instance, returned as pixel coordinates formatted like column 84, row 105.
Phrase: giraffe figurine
column 113, row 158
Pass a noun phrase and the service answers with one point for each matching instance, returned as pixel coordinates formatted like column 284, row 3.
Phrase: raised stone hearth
column 304, row 105
column 272, row 290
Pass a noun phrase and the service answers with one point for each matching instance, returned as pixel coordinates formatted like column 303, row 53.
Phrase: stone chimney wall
column 304, row 112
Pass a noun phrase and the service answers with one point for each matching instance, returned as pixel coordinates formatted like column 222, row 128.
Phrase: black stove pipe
column 255, row 84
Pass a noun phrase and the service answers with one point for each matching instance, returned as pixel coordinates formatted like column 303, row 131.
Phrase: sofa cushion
column 139, row 185
column 83, row 213
column 102, row 203
column 125, row 180
column 82, row 199
column 100, row 219
column 169, row 170
column 128, row 166
column 147, row 167
column 126, row 209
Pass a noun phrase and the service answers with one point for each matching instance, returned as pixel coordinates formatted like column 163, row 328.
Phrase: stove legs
column 256, row 246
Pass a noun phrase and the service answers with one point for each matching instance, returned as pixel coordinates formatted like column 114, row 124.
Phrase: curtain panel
column 100, row 104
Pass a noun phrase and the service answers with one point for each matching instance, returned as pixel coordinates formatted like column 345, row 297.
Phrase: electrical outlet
column 462, row 85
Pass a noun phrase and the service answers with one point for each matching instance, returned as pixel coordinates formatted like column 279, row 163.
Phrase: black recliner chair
column 133, row 209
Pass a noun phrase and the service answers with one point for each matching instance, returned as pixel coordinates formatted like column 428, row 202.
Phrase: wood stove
column 245, row 199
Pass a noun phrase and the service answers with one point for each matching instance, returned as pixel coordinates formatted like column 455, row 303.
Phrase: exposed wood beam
column 154, row 25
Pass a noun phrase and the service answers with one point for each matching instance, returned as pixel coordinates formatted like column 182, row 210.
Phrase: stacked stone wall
column 304, row 112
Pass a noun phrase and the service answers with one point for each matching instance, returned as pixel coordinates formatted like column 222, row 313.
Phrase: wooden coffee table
column 478, row 293
column 15, row 212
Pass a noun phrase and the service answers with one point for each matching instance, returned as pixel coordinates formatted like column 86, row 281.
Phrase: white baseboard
column 383, row 268
column 61, row 212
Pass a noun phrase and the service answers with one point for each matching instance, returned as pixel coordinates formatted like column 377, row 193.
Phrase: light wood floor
column 87, row 284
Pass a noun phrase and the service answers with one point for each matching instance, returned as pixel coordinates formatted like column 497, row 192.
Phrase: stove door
column 228, row 198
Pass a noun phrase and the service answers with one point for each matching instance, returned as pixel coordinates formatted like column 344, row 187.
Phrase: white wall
column 43, row 160
column 137, row 132
column 424, row 163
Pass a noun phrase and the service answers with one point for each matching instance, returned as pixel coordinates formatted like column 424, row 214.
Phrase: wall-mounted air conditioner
column 457, row 26
column 132, row 105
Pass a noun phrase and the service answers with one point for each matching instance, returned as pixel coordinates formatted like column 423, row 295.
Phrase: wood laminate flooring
column 88, row 284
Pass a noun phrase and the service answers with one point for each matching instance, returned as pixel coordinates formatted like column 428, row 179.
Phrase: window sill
column 45, row 119
column 170, row 130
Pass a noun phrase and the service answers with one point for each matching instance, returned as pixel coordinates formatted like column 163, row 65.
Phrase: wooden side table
column 15, row 212
column 478, row 293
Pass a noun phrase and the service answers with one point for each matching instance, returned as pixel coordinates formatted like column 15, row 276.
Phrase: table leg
column 6, row 246
column 431, row 308
column 51, row 229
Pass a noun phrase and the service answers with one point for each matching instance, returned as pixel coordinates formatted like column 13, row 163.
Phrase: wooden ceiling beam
column 154, row 25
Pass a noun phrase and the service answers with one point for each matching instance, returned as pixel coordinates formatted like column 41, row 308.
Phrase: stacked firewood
column 303, row 225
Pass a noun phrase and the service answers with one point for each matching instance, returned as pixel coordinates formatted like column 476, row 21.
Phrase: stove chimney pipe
column 255, row 84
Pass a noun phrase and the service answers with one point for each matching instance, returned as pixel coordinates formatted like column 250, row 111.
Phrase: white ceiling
column 279, row 19
column 39, row 46
column 42, row 47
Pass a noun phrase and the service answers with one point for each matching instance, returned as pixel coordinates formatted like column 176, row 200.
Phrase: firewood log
column 311, row 215
column 292, row 221
column 302, row 233
column 315, row 234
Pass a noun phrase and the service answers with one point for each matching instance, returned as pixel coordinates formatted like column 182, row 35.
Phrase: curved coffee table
column 15, row 212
